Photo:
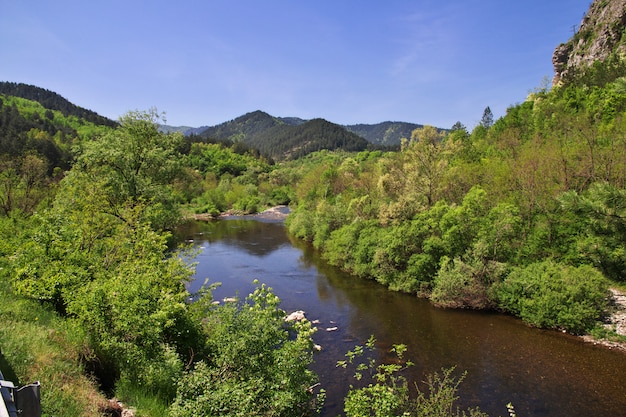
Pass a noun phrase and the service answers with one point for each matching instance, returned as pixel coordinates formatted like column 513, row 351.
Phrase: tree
column 602, row 212
column 22, row 182
column 137, row 163
column 487, row 119
column 427, row 161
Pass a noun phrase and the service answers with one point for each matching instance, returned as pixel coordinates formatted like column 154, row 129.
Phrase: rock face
column 601, row 33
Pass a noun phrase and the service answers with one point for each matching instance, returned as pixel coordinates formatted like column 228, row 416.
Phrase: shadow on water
column 543, row 373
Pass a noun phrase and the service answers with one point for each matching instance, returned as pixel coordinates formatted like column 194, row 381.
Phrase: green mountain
column 53, row 101
column 385, row 133
column 243, row 128
column 37, row 121
column 250, row 126
column 286, row 138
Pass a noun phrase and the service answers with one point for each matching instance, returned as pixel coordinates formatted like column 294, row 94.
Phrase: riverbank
column 276, row 213
column 539, row 371
column 616, row 322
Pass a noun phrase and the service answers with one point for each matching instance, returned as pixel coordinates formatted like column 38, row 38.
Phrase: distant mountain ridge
column 385, row 133
column 250, row 126
column 285, row 138
column 276, row 137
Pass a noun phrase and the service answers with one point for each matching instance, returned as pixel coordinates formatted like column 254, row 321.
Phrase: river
column 543, row 373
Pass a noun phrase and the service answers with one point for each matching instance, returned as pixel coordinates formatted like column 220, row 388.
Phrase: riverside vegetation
column 525, row 214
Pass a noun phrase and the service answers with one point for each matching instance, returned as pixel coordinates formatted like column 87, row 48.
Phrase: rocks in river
column 296, row 316
column 230, row 300
column 332, row 329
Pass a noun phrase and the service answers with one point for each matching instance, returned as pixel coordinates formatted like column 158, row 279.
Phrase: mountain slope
column 285, row 138
column 53, row 101
column 29, row 127
column 385, row 133
column 243, row 128
column 250, row 125
column 292, row 142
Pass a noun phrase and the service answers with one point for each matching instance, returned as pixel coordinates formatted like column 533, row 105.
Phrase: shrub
column 466, row 282
column 556, row 296
column 258, row 365
column 388, row 394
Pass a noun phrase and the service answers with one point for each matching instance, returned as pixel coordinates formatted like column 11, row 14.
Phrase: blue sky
column 206, row 62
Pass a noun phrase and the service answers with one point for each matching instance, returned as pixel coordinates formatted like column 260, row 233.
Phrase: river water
column 543, row 373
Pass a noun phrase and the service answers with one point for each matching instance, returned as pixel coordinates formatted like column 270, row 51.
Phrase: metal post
column 20, row 402
column 7, row 405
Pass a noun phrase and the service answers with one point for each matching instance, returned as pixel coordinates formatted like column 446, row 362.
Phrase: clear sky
column 205, row 62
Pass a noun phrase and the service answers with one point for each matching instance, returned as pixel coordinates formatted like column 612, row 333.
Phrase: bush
column 466, row 282
column 388, row 394
column 555, row 296
column 258, row 365
column 461, row 285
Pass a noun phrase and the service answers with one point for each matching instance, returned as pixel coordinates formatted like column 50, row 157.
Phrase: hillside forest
column 525, row 215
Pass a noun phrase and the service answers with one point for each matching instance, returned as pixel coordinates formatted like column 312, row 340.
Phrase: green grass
column 145, row 404
column 37, row 345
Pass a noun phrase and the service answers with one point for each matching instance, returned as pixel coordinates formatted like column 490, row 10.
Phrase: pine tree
column 487, row 120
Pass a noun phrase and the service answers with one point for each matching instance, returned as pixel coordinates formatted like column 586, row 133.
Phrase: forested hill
column 286, row 138
column 385, row 133
column 250, row 126
column 292, row 142
column 243, row 128
column 53, row 101
column 42, row 125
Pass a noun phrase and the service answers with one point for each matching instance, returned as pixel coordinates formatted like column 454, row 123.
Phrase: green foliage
column 29, row 128
column 452, row 212
column 137, row 165
column 23, row 183
column 219, row 160
column 438, row 400
column 135, row 312
column 556, row 296
column 466, row 284
column 232, row 181
column 602, row 211
column 53, row 101
column 388, row 394
column 386, row 133
column 257, row 366
column 487, row 120
column 38, row 345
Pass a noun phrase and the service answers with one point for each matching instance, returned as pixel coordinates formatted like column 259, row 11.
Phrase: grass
column 145, row 404
column 37, row 345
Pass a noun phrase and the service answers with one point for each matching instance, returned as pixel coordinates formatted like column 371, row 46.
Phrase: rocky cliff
column 601, row 33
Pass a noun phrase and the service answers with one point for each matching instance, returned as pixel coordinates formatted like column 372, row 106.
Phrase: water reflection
column 543, row 373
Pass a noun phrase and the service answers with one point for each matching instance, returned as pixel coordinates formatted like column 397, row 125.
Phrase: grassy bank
column 37, row 345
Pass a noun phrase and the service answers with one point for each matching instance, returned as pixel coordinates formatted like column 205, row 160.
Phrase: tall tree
column 138, row 163
column 487, row 119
